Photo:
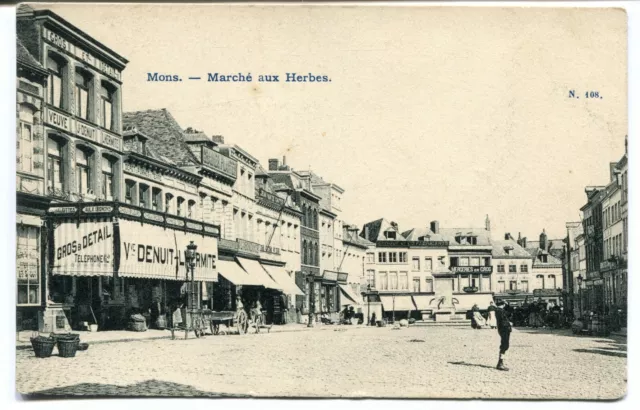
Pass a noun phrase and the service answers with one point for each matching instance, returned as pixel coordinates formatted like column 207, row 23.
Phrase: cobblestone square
column 418, row 362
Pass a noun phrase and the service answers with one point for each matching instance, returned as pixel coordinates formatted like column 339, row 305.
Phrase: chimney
column 284, row 161
column 524, row 242
column 507, row 236
column 435, row 226
column 543, row 240
column 487, row 223
column 366, row 232
column 626, row 145
column 273, row 164
column 612, row 170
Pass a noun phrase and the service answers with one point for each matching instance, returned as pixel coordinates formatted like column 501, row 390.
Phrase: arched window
column 84, row 159
column 107, row 102
column 304, row 215
column 55, row 165
column 108, row 180
column 304, row 252
column 56, row 87
column 191, row 206
column 179, row 206
column 167, row 202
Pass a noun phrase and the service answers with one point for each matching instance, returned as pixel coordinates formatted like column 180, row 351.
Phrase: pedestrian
column 492, row 315
column 477, row 321
column 504, row 330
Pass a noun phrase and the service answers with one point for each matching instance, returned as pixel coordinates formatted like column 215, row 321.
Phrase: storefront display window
column 28, row 265
column 323, row 298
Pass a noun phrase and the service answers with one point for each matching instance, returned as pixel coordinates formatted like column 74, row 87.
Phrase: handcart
column 229, row 318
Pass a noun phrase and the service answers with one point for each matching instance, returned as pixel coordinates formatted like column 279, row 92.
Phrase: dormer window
column 390, row 234
column 472, row 240
column 543, row 258
column 508, row 250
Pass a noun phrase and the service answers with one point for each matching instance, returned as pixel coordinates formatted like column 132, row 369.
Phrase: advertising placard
column 84, row 249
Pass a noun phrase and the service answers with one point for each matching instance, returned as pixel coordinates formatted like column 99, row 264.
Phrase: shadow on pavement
column 602, row 352
column 149, row 388
column 472, row 365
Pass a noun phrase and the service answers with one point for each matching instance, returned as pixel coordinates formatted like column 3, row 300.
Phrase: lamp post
column 312, row 302
column 190, row 257
column 369, row 305
column 580, row 291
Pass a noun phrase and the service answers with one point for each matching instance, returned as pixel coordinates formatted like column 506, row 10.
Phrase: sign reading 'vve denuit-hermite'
column 85, row 249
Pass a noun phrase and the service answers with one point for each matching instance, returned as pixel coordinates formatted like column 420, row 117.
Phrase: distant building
column 512, row 276
column 547, row 256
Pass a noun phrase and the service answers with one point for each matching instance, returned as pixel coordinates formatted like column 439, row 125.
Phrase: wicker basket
column 43, row 346
column 67, row 347
column 83, row 346
column 137, row 326
column 65, row 336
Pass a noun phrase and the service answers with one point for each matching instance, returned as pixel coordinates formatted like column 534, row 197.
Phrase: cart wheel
column 242, row 323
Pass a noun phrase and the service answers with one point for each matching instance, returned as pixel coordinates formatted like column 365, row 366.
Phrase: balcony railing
column 58, row 193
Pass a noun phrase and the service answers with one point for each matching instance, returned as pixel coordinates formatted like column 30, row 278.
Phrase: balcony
column 217, row 162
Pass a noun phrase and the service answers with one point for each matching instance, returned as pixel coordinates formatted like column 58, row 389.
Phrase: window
column 540, row 279
column 513, row 269
column 371, row 257
column 305, row 253
column 393, row 257
column 552, row 281
column 143, row 196
column 28, row 265
column 54, row 164
column 500, row 286
column 390, row 234
column 428, row 264
column 524, row 268
column 83, row 82
column 54, row 85
column 501, row 268
column 83, row 171
column 191, row 205
column 371, row 278
column 167, row 203
column 525, row 286
column 415, row 263
column 429, row 285
column 393, row 280
column 473, row 240
column 403, row 257
column 179, row 206
column 129, row 187
column 382, row 257
column 404, row 281
column 475, row 262
column 106, row 101
column 156, row 199
column 25, row 139
column 382, row 281
column 513, row 285
column 416, row 284
column 463, row 261
column 108, row 181
column 543, row 258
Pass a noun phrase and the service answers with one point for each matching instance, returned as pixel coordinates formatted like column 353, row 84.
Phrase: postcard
column 321, row 201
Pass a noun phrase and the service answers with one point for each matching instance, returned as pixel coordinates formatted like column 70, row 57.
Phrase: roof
column 167, row 138
column 552, row 261
column 552, row 245
column 449, row 234
column 499, row 251
column 352, row 237
column 260, row 172
column 196, row 137
column 24, row 56
column 416, row 233
column 374, row 230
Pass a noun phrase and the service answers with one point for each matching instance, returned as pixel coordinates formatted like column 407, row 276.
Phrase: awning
column 400, row 303
column 349, row 296
column 258, row 275
column 84, row 249
column 283, row 279
column 232, row 272
column 422, row 302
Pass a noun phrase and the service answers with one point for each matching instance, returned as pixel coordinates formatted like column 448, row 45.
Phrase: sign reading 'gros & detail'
column 83, row 250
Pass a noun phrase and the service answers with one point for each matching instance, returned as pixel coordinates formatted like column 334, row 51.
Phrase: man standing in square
column 504, row 330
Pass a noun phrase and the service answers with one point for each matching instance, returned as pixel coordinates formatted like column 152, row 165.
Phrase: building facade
column 513, row 279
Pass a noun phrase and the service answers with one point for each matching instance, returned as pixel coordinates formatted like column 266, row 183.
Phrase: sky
column 431, row 113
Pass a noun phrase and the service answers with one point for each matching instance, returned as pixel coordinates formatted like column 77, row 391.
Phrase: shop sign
column 470, row 289
column 84, row 249
column 86, row 131
column 80, row 53
column 97, row 209
column 472, row 269
column 27, row 271
column 608, row 265
column 330, row 275
column 57, row 119
column 63, row 210
column 219, row 162
column 151, row 251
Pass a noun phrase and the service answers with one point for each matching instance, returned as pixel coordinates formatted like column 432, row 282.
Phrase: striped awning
column 397, row 303
column 350, row 297
column 258, row 274
column 231, row 271
column 280, row 276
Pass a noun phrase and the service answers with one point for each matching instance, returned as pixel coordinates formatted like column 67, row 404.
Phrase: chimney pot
column 507, row 236
column 435, row 226
column 273, row 164
column 284, row 161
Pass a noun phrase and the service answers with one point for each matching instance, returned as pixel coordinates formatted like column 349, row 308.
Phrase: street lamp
column 580, row 291
column 312, row 302
column 190, row 258
column 369, row 305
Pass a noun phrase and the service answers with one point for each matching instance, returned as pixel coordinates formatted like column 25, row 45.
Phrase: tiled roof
column 552, row 261
column 260, row 172
column 196, row 137
column 284, row 179
column 416, row 233
column 24, row 56
column 449, row 234
column 518, row 252
column 353, row 238
column 167, row 138
column 552, row 244
column 376, row 229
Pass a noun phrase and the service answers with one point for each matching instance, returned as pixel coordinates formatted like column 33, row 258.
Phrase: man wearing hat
column 504, row 330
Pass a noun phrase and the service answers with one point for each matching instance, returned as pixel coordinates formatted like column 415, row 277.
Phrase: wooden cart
column 229, row 318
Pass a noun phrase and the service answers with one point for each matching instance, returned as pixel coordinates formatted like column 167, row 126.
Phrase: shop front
column 327, row 296
column 108, row 261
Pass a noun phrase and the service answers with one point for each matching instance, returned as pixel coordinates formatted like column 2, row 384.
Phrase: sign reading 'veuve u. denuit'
column 151, row 251
column 84, row 249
